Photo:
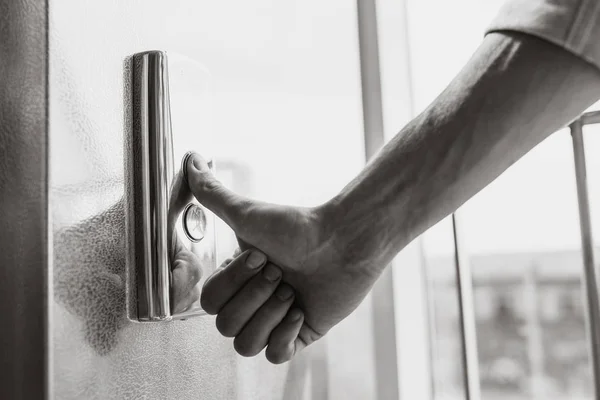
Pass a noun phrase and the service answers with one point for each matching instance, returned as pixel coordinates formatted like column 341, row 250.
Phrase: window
column 521, row 241
column 528, row 305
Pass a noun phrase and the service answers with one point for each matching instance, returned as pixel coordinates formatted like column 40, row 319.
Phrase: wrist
column 327, row 217
column 351, row 242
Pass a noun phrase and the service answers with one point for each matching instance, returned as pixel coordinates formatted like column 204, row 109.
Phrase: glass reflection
column 90, row 275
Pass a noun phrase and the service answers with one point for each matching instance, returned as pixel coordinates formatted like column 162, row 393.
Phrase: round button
column 194, row 222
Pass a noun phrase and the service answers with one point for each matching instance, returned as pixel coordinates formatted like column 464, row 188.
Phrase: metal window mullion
column 319, row 370
column 587, row 244
column 26, row 238
column 466, row 307
column 384, row 327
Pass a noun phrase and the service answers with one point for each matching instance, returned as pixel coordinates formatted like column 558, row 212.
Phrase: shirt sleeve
column 571, row 24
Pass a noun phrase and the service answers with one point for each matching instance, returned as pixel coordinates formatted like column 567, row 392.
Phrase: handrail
column 592, row 117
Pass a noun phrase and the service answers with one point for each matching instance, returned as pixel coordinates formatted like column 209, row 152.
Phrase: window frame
column 471, row 376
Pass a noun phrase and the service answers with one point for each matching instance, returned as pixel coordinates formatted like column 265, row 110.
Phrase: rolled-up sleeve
column 571, row 24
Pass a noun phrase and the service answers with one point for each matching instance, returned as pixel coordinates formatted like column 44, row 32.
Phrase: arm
column 514, row 92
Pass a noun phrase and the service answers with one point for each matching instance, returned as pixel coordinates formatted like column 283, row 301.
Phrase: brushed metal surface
column 159, row 199
column 152, row 176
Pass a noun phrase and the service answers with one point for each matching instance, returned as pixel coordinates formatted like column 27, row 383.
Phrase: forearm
column 513, row 93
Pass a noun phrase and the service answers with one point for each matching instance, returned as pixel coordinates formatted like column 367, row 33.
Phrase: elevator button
column 194, row 222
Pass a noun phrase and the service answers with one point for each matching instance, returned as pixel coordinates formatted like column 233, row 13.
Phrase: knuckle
column 225, row 326
column 276, row 356
column 272, row 309
column 210, row 183
column 275, row 310
column 207, row 305
column 239, row 279
column 210, row 285
column 308, row 335
column 210, row 310
column 260, row 289
column 203, row 182
column 239, row 273
column 244, row 347
column 284, row 292
column 271, row 274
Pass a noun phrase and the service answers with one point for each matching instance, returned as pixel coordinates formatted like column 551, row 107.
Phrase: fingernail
column 295, row 314
column 196, row 164
column 255, row 259
column 195, row 161
column 284, row 292
column 272, row 273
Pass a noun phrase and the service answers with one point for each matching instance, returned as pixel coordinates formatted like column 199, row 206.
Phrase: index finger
column 225, row 282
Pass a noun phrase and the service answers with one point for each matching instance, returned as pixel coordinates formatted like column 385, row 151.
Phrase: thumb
column 211, row 193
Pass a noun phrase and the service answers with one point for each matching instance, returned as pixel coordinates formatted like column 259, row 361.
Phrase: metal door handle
column 159, row 197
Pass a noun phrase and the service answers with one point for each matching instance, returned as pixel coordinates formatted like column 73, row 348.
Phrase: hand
column 89, row 275
column 186, row 271
column 298, row 240
column 254, row 306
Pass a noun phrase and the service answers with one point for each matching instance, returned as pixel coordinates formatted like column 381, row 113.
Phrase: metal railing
column 465, row 284
column 466, row 312
column 587, row 243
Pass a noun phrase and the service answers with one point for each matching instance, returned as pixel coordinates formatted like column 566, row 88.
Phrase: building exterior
column 531, row 327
